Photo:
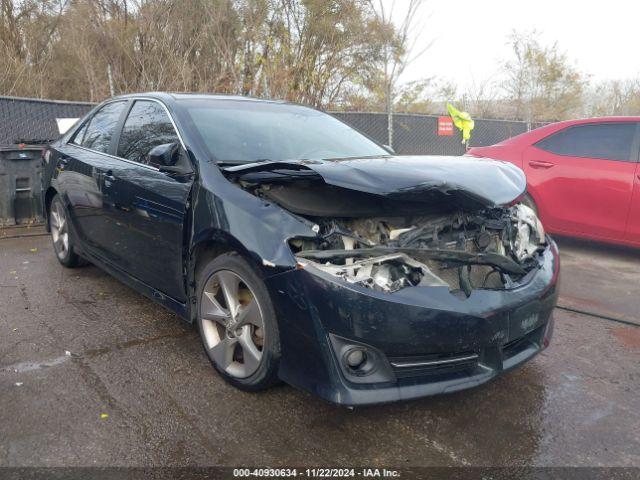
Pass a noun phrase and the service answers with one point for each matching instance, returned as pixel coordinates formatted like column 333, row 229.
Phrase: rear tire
column 61, row 235
column 237, row 323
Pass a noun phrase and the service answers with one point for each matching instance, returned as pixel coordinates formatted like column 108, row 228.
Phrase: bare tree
column 311, row 51
column 541, row 84
column 399, row 48
column 481, row 98
column 614, row 97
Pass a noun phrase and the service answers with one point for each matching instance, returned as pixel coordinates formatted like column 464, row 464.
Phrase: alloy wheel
column 59, row 230
column 232, row 324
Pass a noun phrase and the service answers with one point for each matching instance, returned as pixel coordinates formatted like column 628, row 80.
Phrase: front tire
column 237, row 323
column 61, row 234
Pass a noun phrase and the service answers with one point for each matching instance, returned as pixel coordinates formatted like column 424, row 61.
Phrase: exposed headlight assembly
column 529, row 231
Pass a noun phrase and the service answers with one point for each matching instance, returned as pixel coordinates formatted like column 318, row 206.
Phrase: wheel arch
column 48, row 198
column 532, row 198
column 211, row 246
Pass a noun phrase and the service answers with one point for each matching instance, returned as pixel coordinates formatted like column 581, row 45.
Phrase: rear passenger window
column 611, row 141
column 146, row 127
column 102, row 126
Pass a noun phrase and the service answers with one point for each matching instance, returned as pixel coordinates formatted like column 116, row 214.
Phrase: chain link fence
column 418, row 134
column 27, row 123
column 33, row 121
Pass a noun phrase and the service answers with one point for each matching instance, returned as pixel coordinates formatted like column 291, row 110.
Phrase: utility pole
column 389, row 114
column 110, row 77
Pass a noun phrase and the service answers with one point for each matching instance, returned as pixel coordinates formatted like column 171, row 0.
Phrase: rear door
column 151, row 205
column 582, row 178
column 82, row 167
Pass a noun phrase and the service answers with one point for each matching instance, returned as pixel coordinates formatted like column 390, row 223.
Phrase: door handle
column 540, row 164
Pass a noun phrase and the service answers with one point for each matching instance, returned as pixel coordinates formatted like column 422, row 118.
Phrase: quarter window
column 146, row 127
column 610, row 141
column 79, row 135
column 102, row 126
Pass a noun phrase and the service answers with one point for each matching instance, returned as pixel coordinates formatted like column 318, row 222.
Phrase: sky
column 469, row 37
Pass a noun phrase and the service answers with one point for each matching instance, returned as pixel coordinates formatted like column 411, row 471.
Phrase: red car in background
column 583, row 176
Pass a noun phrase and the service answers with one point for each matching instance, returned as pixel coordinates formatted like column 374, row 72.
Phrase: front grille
column 434, row 364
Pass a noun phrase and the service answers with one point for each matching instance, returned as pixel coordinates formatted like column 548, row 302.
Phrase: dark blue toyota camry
column 303, row 250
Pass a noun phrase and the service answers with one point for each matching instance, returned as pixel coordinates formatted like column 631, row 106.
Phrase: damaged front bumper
column 418, row 341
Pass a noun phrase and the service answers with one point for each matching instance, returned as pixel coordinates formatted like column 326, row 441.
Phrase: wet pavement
column 92, row 373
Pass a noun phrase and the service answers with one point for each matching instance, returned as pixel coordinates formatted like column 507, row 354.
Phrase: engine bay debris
column 435, row 232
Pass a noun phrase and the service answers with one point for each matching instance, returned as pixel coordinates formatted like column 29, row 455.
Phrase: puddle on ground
column 628, row 336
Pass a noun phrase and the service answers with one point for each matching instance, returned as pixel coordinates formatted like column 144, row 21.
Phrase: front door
column 150, row 205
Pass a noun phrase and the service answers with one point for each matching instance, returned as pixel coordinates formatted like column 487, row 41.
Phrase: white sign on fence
column 65, row 124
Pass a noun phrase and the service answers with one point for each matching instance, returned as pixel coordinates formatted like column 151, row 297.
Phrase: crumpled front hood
column 414, row 178
column 489, row 181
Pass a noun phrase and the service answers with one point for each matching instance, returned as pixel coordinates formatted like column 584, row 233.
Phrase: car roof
column 539, row 133
column 177, row 96
column 581, row 121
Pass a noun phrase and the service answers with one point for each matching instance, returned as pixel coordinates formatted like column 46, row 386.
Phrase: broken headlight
column 529, row 231
column 387, row 273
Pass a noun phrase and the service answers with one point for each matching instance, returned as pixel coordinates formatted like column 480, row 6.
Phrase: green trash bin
column 20, row 185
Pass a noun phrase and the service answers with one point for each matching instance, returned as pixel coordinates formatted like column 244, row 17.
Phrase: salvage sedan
column 303, row 250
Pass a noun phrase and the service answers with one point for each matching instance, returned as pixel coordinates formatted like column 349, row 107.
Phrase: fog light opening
column 358, row 362
column 355, row 358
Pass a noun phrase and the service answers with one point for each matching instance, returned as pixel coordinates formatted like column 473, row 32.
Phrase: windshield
column 237, row 131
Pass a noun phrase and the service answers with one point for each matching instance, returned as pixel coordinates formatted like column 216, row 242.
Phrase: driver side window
column 146, row 127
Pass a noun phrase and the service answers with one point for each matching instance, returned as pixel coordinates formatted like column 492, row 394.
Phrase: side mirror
column 165, row 155
column 168, row 158
column 389, row 149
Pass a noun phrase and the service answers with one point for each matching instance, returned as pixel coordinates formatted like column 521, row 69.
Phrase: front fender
column 258, row 228
column 234, row 220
